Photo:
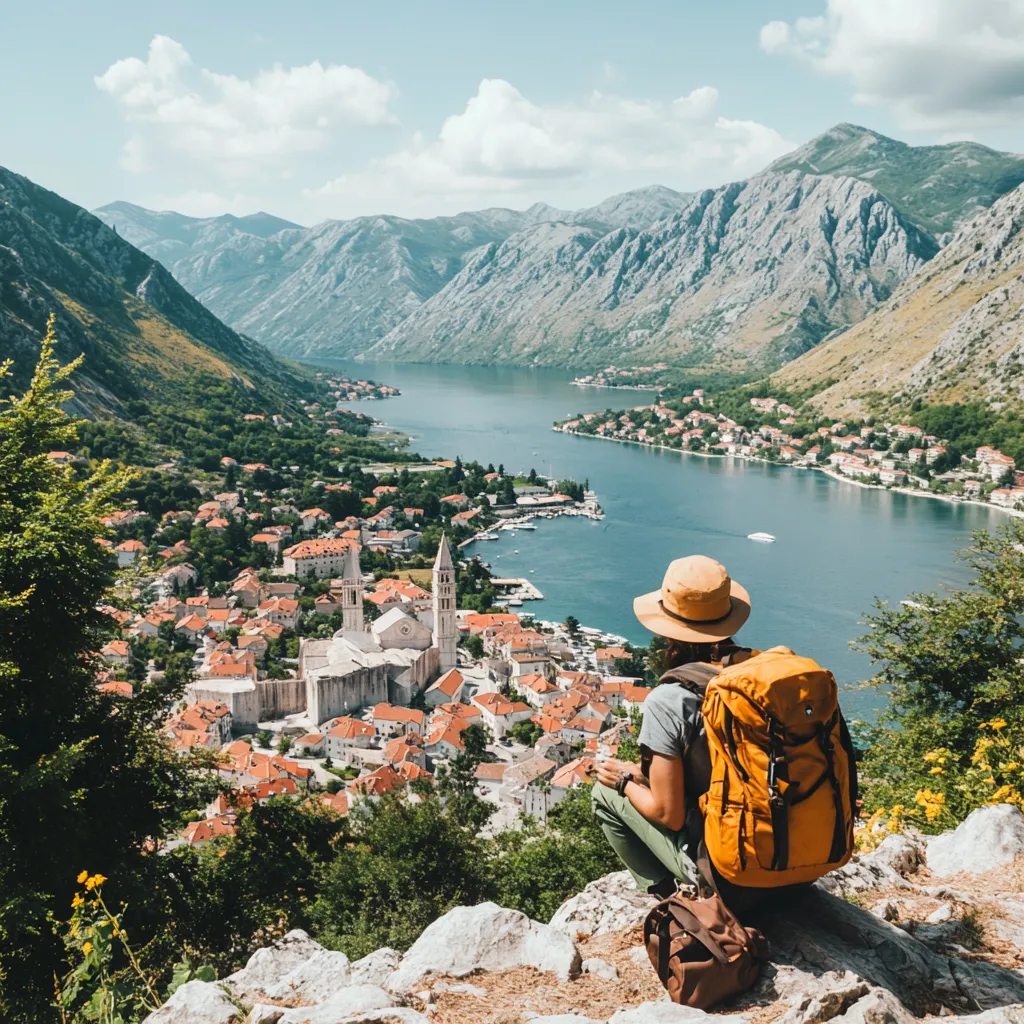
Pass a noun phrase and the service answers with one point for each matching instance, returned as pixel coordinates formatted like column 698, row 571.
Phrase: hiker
column 649, row 812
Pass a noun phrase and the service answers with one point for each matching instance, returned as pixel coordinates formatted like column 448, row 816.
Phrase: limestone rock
column 356, row 999
column 671, row 1013
column 609, row 904
column 375, row 968
column 861, row 875
column 877, row 1007
column 388, row 1015
column 944, row 913
column 817, row 998
column 903, row 853
column 600, row 969
column 315, row 979
column 485, row 937
column 1013, row 1014
column 196, row 1002
column 887, row 910
column 267, row 966
column 989, row 838
column 639, row 956
column 261, row 1013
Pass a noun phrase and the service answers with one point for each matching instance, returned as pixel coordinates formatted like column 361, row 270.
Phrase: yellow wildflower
column 82, row 877
column 932, row 811
column 86, row 948
column 997, row 724
column 77, row 901
column 95, row 880
column 937, row 771
column 932, row 755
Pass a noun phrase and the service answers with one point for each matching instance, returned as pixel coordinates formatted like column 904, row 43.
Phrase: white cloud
column 237, row 127
column 942, row 65
column 503, row 148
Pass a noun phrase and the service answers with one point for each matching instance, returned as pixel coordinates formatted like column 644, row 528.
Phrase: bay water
column 839, row 546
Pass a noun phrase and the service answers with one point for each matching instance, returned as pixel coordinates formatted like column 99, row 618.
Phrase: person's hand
column 609, row 772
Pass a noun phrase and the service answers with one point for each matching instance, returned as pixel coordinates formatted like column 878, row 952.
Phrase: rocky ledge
column 916, row 928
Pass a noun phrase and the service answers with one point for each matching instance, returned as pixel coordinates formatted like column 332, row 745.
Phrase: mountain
column 138, row 327
column 953, row 331
column 935, row 187
column 745, row 276
column 338, row 287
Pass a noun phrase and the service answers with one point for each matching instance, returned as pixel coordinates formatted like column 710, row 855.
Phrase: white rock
column 639, row 956
column 458, row 989
column 903, row 853
column 943, row 914
column 267, row 966
column 315, row 979
column 670, row 1013
column 356, row 999
column 887, row 910
column 196, row 1002
column 1001, row 1015
column 989, row 838
column 601, row 968
column 862, row 875
column 263, row 1014
column 375, row 968
column 609, row 904
column 814, row 999
column 485, row 937
column 877, row 1007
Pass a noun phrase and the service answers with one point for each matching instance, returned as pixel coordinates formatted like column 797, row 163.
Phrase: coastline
column 910, row 492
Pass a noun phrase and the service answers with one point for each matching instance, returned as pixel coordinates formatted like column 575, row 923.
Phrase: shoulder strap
column 694, row 677
column 689, row 922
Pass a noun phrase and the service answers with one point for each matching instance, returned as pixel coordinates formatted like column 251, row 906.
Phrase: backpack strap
column 695, row 677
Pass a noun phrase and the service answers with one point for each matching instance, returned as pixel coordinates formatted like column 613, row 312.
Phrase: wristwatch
column 624, row 780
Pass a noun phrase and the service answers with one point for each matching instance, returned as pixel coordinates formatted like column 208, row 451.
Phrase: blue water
column 839, row 546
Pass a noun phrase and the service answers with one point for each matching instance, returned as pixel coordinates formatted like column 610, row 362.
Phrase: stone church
column 392, row 659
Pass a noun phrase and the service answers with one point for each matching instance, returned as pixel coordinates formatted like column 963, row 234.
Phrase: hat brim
column 647, row 608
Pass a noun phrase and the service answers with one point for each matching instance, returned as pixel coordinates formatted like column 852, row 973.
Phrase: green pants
column 651, row 852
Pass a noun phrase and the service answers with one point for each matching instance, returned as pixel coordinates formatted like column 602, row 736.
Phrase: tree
column 72, row 767
column 457, row 782
column 526, row 733
column 474, row 646
column 572, row 626
column 264, row 738
column 405, row 866
column 950, row 664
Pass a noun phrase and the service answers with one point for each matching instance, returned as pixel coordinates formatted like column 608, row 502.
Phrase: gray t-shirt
column 674, row 727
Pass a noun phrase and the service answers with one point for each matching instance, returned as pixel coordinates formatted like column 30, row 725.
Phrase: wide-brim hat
column 697, row 602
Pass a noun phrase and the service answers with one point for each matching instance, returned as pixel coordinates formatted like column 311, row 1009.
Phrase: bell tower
column 446, row 634
column 352, row 593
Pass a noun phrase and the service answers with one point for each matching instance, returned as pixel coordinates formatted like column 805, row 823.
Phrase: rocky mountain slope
column 935, row 187
column 915, row 928
column 745, row 276
column 953, row 331
column 338, row 287
column 137, row 326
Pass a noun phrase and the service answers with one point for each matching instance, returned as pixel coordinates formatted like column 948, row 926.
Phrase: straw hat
column 697, row 602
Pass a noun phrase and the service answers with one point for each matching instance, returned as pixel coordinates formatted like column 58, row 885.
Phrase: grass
column 421, row 577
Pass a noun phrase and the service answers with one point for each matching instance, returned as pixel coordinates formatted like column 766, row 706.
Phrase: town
column 891, row 455
column 344, row 389
column 337, row 660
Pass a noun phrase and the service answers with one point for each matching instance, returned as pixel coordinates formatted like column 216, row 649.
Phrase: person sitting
column 649, row 813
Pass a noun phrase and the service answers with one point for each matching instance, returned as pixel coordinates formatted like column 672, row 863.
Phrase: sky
column 317, row 109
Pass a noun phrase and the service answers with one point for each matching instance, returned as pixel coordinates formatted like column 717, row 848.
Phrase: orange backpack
column 782, row 798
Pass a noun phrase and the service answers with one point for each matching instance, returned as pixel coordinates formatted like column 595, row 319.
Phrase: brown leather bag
column 701, row 951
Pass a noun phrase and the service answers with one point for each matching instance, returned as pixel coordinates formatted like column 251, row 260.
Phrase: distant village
column 892, row 455
column 337, row 663
column 344, row 389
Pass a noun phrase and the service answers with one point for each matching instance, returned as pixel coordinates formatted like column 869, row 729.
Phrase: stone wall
column 330, row 696
column 280, row 697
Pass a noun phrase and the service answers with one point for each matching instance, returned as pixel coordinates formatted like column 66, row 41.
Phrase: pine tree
column 87, row 780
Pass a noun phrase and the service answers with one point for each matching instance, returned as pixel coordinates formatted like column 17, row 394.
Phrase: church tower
column 446, row 633
column 352, row 593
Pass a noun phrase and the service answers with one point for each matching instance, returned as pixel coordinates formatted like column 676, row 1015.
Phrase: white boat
column 514, row 602
column 533, row 570
column 486, row 536
column 761, row 538
column 527, row 526
column 515, row 551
